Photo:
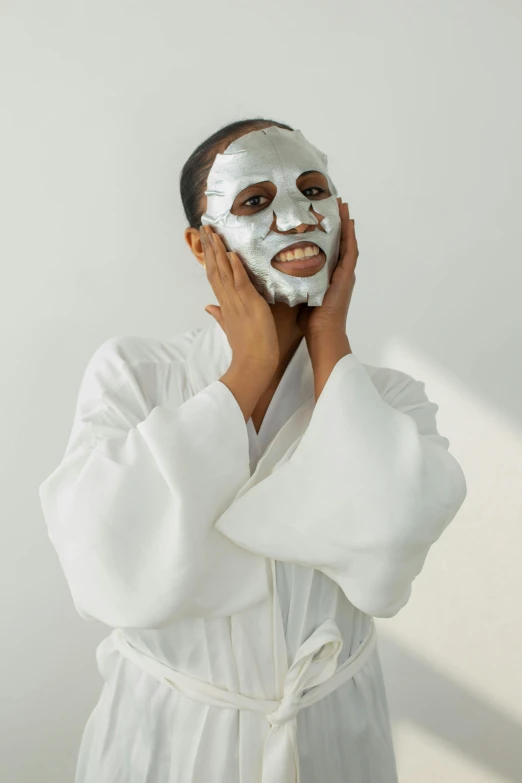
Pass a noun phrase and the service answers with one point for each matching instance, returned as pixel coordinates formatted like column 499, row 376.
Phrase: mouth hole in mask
column 301, row 267
column 308, row 250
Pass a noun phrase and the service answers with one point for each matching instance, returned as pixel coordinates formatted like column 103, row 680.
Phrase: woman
column 238, row 502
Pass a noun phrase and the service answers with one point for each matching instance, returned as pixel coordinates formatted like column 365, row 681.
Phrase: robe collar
column 210, row 358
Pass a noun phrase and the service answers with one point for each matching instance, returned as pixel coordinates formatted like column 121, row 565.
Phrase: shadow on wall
column 420, row 694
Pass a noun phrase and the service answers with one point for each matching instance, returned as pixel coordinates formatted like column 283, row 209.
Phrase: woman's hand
column 329, row 319
column 243, row 314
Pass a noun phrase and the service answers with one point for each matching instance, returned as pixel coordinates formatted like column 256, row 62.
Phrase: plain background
column 417, row 105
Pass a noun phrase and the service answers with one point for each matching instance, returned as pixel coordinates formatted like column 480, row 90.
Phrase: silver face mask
column 279, row 156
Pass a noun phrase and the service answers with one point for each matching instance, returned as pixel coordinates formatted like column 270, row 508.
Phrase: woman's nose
column 300, row 229
column 291, row 219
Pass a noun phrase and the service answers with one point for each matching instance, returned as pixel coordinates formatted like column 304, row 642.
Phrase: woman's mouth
column 298, row 258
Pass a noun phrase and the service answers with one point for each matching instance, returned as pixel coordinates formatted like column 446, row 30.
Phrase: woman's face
column 267, row 191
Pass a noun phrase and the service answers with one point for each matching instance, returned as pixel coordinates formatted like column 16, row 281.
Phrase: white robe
column 172, row 520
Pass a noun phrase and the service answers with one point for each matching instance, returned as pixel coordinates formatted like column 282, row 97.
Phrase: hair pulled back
column 194, row 174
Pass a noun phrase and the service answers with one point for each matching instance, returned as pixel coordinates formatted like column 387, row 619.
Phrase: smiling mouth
column 301, row 256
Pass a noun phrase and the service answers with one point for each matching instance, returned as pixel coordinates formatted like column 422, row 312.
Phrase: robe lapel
column 290, row 408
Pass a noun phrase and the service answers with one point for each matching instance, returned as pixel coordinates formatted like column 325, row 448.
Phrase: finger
column 350, row 251
column 216, row 313
column 339, row 205
column 211, row 267
column 223, row 264
column 353, row 248
column 349, row 259
column 244, row 287
column 345, row 217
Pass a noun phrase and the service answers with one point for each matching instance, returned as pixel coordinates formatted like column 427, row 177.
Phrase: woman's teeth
column 299, row 252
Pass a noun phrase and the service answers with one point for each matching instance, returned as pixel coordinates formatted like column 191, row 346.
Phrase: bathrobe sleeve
column 363, row 494
column 130, row 509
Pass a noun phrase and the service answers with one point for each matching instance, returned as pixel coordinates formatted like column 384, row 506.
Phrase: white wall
column 417, row 105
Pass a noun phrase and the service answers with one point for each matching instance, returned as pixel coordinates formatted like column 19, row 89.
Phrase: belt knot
column 288, row 708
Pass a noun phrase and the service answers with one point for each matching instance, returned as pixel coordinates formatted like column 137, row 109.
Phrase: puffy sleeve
column 131, row 507
column 366, row 491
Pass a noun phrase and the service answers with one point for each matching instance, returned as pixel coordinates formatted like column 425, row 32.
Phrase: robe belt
column 314, row 670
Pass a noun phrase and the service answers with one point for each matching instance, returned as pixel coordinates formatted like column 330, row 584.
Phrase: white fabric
column 206, row 545
column 314, row 670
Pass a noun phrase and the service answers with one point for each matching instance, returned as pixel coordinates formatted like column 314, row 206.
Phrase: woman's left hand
column 329, row 319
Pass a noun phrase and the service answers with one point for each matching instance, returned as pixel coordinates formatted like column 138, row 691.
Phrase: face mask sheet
column 279, row 156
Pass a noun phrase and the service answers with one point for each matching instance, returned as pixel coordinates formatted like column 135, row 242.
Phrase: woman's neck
column 289, row 334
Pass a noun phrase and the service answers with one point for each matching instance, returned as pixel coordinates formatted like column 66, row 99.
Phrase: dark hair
column 194, row 174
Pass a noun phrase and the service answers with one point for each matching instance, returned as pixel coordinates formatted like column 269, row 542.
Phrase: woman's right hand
column 243, row 314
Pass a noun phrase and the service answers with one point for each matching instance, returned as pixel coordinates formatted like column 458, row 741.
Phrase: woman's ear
column 193, row 240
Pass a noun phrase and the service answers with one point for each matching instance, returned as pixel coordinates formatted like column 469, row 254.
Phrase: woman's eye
column 314, row 187
column 253, row 201
column 252, row 198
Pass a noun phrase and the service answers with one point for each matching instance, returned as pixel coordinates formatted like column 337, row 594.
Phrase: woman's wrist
column 325, row 343
column 247, row 383
column 325, row 350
